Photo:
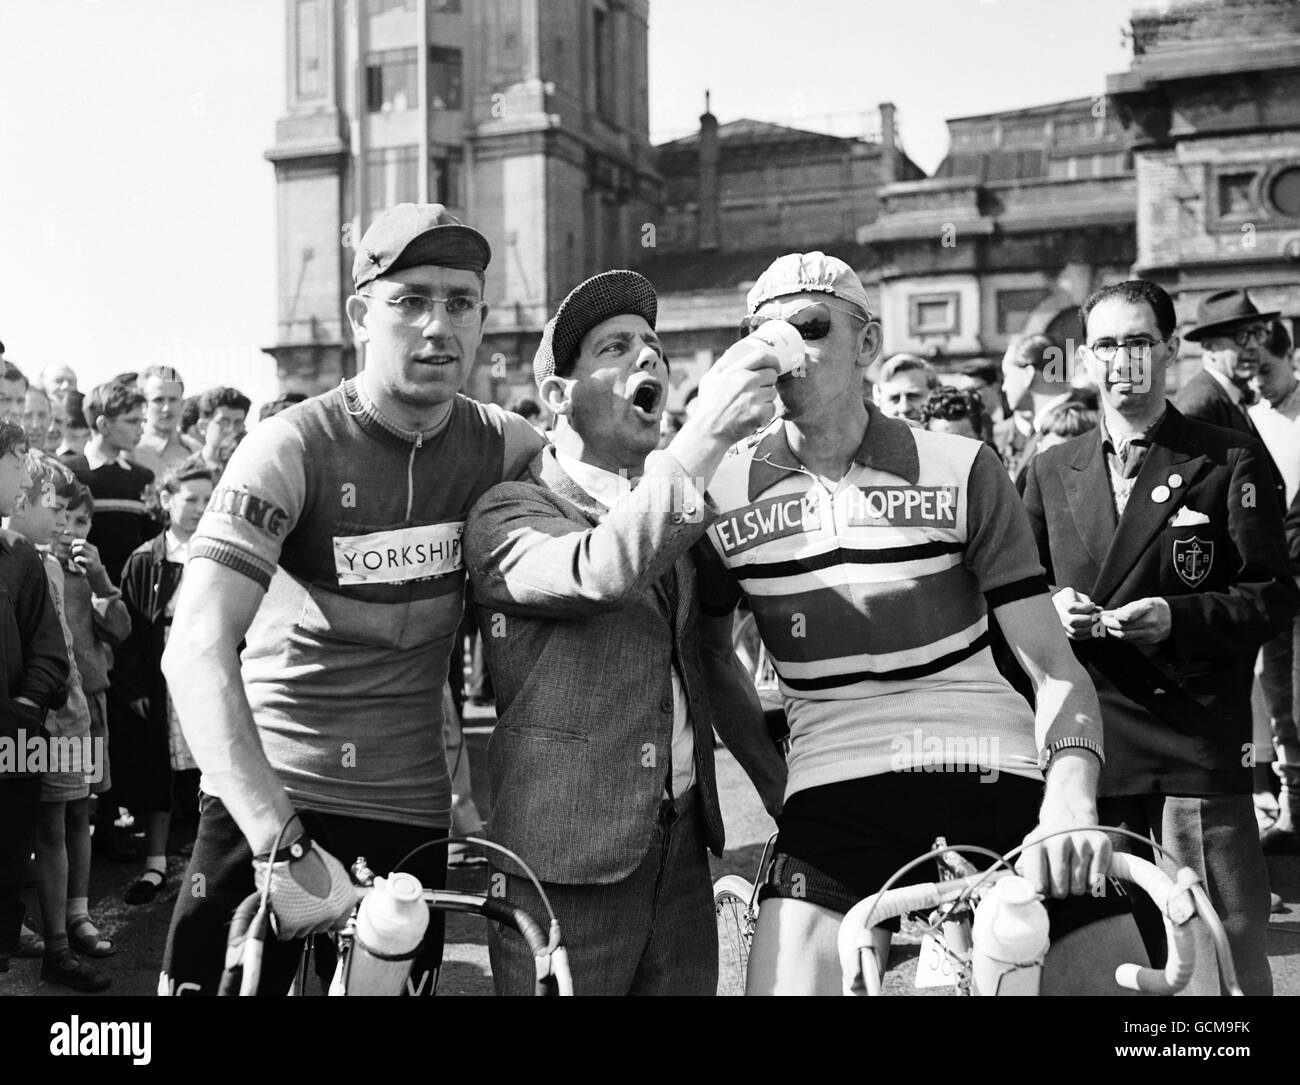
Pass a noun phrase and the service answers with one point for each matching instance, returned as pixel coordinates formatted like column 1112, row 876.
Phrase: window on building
column 1022, row 134
column 307, row 16
column 1014, row 307
column 1235, row 194
column 445, row 7
column 969, row 139
column 391, row 178
column 1284, row 191
column 391, row 81
column 444, row 77
column 1079, row 129
column 933, row 314
column 446, row 171
column 603, row 57
column 383, row 7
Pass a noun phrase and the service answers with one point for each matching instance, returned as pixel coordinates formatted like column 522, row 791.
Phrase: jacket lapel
column 1144, row 516
column 1087, row 489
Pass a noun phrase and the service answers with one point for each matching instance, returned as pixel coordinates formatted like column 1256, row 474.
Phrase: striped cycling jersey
column 872, row 598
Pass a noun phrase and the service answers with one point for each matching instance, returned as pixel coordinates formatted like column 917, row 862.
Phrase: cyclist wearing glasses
column 332, row 547
column 1165, row 543
column 872, row 554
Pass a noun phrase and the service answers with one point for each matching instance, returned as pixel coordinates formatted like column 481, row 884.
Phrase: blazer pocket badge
column 1192, row 560
column 1186, row 517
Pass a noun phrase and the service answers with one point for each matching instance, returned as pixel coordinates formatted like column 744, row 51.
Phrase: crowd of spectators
column 108, row 486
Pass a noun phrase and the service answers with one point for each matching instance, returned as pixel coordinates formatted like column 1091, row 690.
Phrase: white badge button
column 1160, row 494
column 1175, row 481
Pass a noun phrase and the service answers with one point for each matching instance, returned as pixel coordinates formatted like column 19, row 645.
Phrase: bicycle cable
column 554, row 941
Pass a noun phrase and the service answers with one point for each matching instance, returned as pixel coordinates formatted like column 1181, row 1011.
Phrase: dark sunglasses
column 812, row 321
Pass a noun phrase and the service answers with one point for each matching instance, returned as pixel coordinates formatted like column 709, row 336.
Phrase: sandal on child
column 146, row 887
column 30, row 944
column 86, row 939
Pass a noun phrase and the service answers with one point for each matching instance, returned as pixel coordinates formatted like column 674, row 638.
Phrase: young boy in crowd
column 115, row 411
column 33, row 675
column 75, row 432
column 41, row 517
column 150, row 580
column 98, row 620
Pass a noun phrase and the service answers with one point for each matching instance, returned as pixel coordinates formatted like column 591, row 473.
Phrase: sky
column 137, row 212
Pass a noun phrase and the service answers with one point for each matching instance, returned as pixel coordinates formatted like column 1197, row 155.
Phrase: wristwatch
column 287, row 853
column 1051, row 750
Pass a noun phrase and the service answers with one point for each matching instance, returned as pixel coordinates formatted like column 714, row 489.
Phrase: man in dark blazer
column 1162, row 538
column 607, row 687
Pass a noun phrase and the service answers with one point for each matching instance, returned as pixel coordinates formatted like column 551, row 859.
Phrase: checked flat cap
column 414, row 234
column 609, row 294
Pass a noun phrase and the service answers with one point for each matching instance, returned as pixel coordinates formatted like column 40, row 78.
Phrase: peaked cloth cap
column 808, row 272
column 1219, row 313
column 415, row 234
column 609, row 294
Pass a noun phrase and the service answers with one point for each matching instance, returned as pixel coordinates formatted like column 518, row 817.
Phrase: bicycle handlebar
column 249, row 929
column 1172, row 897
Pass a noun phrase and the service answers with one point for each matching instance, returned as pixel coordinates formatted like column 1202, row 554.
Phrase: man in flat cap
column 332, row 548
column 873, row 554
column 602, row 758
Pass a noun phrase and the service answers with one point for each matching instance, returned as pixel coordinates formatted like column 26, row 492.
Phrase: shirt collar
column 1225, row 383
column 605, row 486
column 97, row 461
column 176, row 549
column 887, row 445
column 1147, row 436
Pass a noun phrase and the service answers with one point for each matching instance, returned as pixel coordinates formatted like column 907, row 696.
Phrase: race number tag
column 393, row 557
column 934, row 968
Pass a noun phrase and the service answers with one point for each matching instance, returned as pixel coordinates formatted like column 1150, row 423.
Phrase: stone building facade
column 528, row 118
column 1211, row 106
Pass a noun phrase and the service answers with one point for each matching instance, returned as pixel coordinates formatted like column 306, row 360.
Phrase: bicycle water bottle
column 1010, row 939
column 390, row 924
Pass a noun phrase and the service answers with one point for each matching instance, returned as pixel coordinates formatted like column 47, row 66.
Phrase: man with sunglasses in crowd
column 332, row 548
column 1162, row 538
column 872, row 554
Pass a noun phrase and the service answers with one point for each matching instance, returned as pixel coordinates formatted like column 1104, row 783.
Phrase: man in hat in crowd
column 1233, row 335
column 1231, row 332
column 1162, row 538
column 873, row 555
column 332, row 548
column 607, row 693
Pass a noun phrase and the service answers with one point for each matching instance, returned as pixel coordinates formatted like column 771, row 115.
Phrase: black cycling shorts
column 843, row 841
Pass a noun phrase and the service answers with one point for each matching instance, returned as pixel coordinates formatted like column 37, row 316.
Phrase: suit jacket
column 1177, row 715
column 1012, row 445
column 1204, row 399
column 581, row 638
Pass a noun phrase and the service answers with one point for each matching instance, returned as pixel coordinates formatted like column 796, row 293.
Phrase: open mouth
column 435, row 359
column 647, row 396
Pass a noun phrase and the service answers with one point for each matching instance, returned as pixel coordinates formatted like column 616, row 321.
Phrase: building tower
column 529, row 120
